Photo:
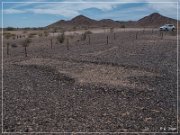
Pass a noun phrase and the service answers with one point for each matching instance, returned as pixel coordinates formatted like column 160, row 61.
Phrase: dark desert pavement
column 128, row 84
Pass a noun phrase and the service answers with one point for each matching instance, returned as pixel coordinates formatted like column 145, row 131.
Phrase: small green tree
column 26, row 43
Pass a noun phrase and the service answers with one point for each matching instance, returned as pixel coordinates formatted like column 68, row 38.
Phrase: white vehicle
column 167, row 27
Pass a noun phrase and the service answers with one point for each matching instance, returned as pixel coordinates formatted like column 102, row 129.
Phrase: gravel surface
column 47, row 97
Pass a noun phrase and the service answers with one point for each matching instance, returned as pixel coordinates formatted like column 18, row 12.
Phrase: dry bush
column 85, row 34
column 123, row 26
column 14, row 45
column 83, row 37
column 111, row 30
column 88, row 32
column 71, row 36
column 46, row 33
column 31, row 35
column 25, row 44
column 173, row 33
column 24, row 32
column 9, row 35
column 61, row 38
column 40, row 34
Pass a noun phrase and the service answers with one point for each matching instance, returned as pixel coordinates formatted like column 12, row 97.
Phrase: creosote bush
column 31, row 35
column 9, row 35
column 46, row 33
column 84, row 35
column 123, row 26
column 14, row 45
column 61, row 38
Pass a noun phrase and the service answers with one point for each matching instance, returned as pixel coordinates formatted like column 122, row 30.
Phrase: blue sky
column 42, row 14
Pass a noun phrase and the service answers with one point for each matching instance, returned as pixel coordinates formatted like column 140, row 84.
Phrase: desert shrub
column 88, row 32
column 10, row 28
column 31, row 35
column 111, row 30
column 40, row 34
column 74, row 28
column 84, row 35
column 7, row 35
column 71, row 36
column 54, row 30
column 25, row 44
column 14, row 45
column 61, row 38
column 123, row 26
column 14, row 35
column 46, row 33
column 173, row 33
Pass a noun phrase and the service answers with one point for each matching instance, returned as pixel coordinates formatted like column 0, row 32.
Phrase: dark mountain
column 81, row 22
column 155, row 20
column 108, row 23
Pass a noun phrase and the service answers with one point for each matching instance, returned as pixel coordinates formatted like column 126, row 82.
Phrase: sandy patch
column 93, row 73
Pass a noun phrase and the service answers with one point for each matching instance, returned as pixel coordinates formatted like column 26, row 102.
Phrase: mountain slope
column 81, row 22
column 84, row 22
column 155, row 20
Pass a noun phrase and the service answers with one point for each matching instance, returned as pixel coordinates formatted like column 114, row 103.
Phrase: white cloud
column 167, row 9
column 13, row 11
column 70, row 10
column 69, row 13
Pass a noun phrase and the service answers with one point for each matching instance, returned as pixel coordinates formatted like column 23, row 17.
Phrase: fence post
column 89, row 39
column 51, row 43
column 67, row 44
column 7, row 48
column 162, row 34
column 136, row 34
column 107, row 40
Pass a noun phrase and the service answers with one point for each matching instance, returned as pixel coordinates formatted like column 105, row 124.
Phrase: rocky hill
column 83, row 22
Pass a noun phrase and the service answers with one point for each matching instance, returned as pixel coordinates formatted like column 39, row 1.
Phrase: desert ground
column 123, row 80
